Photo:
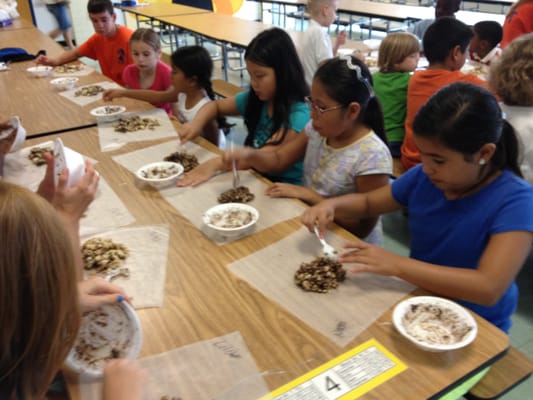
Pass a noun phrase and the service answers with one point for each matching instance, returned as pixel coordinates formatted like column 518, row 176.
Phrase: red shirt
column 518, row 23
column 113, row 54
column 422, row 85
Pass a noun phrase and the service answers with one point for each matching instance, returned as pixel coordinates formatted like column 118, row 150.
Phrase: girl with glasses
column 344, row 147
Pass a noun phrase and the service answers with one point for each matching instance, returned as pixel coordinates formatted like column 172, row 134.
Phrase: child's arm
column 151, row 96
column 269, row 159
column 500, row 263
column 202, row 172
column 362, row 227
column 208, row 112
column 307, row 195
column 354, row 205
column 123, row 380
column 65, row 57
column 339, row 41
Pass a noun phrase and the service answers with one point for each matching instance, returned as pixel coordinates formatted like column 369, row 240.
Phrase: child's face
column 478, row 46
column 328, row 116
column 104, row 23
column 262, row 80
column 179, row 80
column 447, row 169
column 409, row 63
column 144, row 55
column 330, row 11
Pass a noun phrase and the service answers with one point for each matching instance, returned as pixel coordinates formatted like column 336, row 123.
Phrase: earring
column 482, row 161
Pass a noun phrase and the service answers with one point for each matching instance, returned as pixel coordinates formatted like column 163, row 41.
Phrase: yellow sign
column 346, row 377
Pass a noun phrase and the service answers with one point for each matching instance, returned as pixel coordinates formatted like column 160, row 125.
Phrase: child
column 273, row 108
column 398, row 56
column 191, row 72
column 445, row 45
column 344, row 145
column 42, row 299
column 443, row 8
column 108, row 45
column 484, row 44
column 317, row 42
column 60, row 10
column 507, row 78
column 148, row 72
column 470, row 213
column 518, row 21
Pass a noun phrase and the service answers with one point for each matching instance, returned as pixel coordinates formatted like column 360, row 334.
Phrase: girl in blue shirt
column 470, row 213
column 273, row 108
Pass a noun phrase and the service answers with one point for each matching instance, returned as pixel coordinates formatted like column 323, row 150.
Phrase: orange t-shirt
column 113, row 54
column 422, row 85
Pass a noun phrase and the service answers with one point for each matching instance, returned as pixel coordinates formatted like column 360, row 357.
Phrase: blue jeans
column 60, row 12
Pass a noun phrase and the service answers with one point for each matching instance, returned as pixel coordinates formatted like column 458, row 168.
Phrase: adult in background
column 60, row 10
column 443, row 8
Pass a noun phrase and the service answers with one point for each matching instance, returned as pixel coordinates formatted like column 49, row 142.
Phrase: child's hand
column 44, row 60
column 73, row 201
column 111, row 94
column 201, row 173
column 285, row 190
column 370, row 258
column 5, row 143
column 95, row 292
column 188, row 131
column 241, row 155
column 321, row 214
column 341, row 39
column 123, row 380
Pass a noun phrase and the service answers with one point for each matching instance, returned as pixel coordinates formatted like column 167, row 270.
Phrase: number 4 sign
column 348, row 376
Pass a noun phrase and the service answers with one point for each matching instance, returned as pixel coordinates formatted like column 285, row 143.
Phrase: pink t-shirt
column 162, row 81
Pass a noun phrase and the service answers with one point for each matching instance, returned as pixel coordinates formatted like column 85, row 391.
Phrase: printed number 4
column 331, row 384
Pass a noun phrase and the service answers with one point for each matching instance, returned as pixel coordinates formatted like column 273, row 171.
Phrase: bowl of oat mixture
column 434, row 324
column 160, row 174
column 231, row 219
column 112, row 331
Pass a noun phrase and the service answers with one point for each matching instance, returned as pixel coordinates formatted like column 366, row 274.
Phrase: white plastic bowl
column 62, row 84
column 108, row 113
column 129, row 341
column 20, row 135
column 67, row 158
column 220, row 212
column 405, row 306
column 148, row 173
column 40, row 71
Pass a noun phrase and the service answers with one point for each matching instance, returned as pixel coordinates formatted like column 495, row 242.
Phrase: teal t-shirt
column 391, row 90
column 298, row 118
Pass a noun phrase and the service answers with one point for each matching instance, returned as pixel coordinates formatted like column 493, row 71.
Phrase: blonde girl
column 507, row 78
column 398, row 56
column 41, row 297
column 190, row 90
column 344, row 147
column 148, row 71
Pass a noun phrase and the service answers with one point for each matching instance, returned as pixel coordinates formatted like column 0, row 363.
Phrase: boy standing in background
column 109, row 44
column 317, row 43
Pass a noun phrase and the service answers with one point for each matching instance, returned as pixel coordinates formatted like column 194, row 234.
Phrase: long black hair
column 464, row 117
column 195, row 62
column 347, row 79
column 273, row 48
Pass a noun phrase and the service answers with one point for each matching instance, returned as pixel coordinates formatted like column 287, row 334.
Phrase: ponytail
column 507, row 151
column 373, row 117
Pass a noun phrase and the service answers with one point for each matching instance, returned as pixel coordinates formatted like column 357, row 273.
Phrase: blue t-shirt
column 299, row 116
column 456, row 232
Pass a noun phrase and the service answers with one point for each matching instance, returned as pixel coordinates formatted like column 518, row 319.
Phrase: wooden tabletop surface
column 18, row 23
column 203, row 300
column 152, row 10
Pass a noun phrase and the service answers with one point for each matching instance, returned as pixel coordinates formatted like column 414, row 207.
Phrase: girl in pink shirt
column 148, row 71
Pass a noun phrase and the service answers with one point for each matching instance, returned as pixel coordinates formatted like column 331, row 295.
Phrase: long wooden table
column 203, row 300
column 39, row 105
column 18, row 23
column 151, row 11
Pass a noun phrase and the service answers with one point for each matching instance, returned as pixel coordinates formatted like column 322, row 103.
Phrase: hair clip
column 358, row 72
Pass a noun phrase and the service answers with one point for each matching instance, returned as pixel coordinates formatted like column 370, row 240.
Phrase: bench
column 224, row 88
column 509, row 371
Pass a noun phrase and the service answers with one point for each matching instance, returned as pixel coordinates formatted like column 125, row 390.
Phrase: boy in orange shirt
column 445, row 44
column 109, row 44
